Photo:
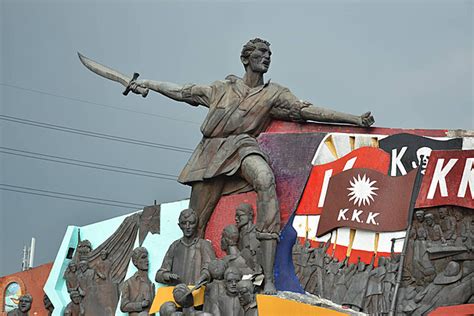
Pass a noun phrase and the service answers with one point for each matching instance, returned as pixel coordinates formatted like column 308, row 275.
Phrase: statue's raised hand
column 366, row 120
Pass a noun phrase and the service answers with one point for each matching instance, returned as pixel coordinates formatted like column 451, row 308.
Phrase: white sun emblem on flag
column 362, row 190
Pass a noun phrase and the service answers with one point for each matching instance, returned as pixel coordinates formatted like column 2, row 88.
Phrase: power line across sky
column 68, row 196
column 86, row 164
column 94, row 103
column 121, row 139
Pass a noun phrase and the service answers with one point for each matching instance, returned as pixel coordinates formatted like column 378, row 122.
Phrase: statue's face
column 104, row 255
column 259, row 59
column 73, row 267
column 25, row 304
column 241, row 218
column 83, row 265
column 420, row 216
column 188, row 226
column 443, row 212
column 245, row 295
column 142, row 261
column 76, row 298
column 231, row 283
column 429, row 221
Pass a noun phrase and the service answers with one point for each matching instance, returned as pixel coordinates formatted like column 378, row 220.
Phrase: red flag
column 367, row 199
column 312, row 199
column 448, row 180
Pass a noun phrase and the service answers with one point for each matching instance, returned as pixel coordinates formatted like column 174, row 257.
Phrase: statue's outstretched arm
column 189, row 93
column 319, row 114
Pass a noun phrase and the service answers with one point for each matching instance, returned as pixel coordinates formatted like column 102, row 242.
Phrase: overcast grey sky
column 410, row 62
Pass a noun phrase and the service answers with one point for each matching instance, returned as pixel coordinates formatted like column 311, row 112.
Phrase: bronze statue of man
column 247, row 297
column 228, row 159
column 75, row 307
column 138, row 291
column 187, row 256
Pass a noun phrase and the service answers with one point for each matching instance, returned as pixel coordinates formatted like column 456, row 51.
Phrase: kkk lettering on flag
column 408, row 151
column 449, row 179
column 367, row 199
column 314, row 194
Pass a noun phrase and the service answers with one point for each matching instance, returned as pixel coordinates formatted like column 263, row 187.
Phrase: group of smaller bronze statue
column 438, row 269
column 231, row 282
column 190, row 263
column 359, row 286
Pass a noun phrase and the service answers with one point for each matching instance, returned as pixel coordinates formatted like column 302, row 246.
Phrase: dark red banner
column 314, row 194
column 367, row 199
column 448, row 180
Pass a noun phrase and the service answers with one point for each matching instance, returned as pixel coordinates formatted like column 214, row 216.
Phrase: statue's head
column 458, row 214
column 104, row 254
column 230, row 237
column 360, row 266
column 243, row 214
column 167, row 308
column 182, row 295
column 47, row 302
column 382, row 261
column 140, row 258
column 24, row 303
column 72, row 266
column 256, row 55
column 443, row 212
column 245, row 289
column 216, row 269
column 188, row 222
column 420, row 215
column 327, row 259
column 232, row 276
column 429, row 218
column 83, row 265
column 75, row 296
column 84, row 246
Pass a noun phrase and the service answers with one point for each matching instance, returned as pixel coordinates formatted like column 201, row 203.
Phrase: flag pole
column 376, row 243
column 352, row 233
column 414, row 196
column 306, row 229
column 334, row 244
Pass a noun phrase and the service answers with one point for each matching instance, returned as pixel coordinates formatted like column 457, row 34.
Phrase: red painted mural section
column 448, row 180
column 289, row 127
column 457, row 310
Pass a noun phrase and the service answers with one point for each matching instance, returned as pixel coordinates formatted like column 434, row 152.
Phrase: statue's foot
column 269, row 288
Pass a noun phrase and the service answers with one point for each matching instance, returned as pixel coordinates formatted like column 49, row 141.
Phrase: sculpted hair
column 186, row 213
column 230, row 236
column 232, row 270
column 250, row 46
column 246, row 284
column 27, row 296
column 247, row 208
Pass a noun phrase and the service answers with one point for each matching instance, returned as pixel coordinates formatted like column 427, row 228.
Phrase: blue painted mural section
column 285, row 277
